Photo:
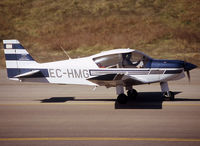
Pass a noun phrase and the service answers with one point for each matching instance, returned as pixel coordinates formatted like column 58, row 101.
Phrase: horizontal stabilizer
column 27, row 74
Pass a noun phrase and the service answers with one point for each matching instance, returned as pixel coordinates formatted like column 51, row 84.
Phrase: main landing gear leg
column 132, row 93
column 122, row 98
column 169, row 95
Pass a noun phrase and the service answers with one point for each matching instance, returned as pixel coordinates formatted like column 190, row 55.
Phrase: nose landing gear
column 167, row 95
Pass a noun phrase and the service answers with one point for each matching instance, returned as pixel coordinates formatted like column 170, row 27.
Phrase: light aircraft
column 120, row 68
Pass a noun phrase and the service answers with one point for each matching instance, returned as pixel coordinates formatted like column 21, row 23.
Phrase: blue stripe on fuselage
column 20, row 57
column 167, row 64
column 15, row 71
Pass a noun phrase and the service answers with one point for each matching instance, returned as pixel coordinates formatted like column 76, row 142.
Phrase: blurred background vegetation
column 168, row 29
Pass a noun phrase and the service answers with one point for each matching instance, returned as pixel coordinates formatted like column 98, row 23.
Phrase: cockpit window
column 109, row 61
column 134, row 60
column 125, row 60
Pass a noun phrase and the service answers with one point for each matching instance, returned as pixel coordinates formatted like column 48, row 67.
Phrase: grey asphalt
column 46, row 114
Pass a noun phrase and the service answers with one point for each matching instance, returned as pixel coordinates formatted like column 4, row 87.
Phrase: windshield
column 125, row 60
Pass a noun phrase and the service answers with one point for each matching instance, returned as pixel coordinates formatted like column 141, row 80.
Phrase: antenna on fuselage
column 65, row 52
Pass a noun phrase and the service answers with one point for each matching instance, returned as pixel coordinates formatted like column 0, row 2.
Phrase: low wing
column 29, row 74
column 112, row 80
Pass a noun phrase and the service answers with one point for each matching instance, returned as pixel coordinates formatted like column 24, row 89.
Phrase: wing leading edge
column 112, row 80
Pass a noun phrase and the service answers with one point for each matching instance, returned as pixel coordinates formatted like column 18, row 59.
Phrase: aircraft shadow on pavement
column 186, row 99
column 65, row 99
column 57, row 99
column 145, row 100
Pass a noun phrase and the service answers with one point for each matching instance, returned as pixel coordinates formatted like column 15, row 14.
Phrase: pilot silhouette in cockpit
column 126, row 62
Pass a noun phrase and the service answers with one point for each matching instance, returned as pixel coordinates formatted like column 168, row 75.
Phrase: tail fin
column 17, row 58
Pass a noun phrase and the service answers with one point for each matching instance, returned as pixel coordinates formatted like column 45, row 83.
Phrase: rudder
column 17, row 58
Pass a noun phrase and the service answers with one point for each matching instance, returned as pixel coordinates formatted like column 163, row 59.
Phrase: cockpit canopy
column 134, row 59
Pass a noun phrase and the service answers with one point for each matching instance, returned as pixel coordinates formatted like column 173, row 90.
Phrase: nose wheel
column 169, row 95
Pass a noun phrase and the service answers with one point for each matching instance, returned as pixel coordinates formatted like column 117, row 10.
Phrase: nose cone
column 189, row 66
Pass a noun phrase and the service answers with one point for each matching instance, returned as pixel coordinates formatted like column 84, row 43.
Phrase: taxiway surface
column 45, row 114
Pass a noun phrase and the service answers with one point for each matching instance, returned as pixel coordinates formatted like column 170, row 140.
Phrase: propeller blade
column 188, row 75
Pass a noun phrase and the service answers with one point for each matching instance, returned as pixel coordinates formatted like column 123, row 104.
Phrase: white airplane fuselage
column 114, row 68
column 77, row 71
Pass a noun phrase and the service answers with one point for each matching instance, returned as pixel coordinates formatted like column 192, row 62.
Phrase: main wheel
column 169, row 95
column 132, row 93
column 122, row 98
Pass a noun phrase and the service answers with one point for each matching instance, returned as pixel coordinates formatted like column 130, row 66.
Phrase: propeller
column 187, row 71
column 187, row 67
column 188, row 75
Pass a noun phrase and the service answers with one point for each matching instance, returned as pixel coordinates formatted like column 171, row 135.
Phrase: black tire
column 132, row 93
column 122, row 99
